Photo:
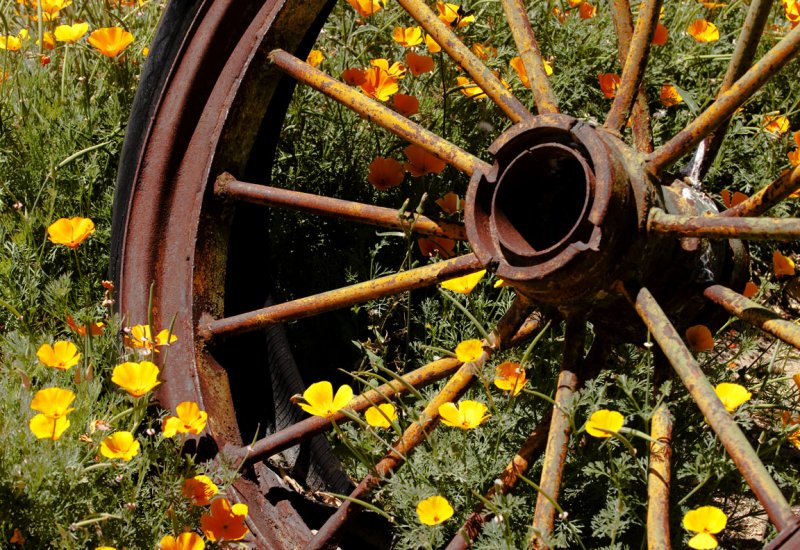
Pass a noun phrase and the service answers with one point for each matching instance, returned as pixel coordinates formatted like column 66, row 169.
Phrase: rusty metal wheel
column 605, row 247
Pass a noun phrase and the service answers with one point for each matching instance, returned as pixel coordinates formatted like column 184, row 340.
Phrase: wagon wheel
column 621, row 228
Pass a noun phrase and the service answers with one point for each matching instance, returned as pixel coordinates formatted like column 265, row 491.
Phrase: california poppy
column 464, row 284
column 468, row 414
column 703, row 31
column 450, row 203
column 436, row 246
column 406, row 105
column 315, row 58
column 699, row 338
column 469, row 350
column 519, row 68
column 782, row 265
column 190, row 419
column 706, row 521
column 660, row 35
column 587, row 11
column 669, row 96
column 732, row 395
column 419, row 64
column 319, row 399
column 199, row 490
column 510, row 377
column 731, row 200
column 776, row 124
column 225, row 521
column 453, row 14
column 184, row 541
column 136, row 378
column 61, row 355
column 378, row 84
column 365, row 8
column 381, row 416
column 604, row 421
column 70, row 33
column 609, row 83
column 110, row 41
column 121, row 445
column 420, row 162
column 385, row 173
column 407, row 36
column 432, row 45
column 354, row 77
column 70, row 232
column 434, row 510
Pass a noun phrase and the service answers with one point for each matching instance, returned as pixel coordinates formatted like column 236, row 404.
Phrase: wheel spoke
column 768, row 197
column 726, row 104
column 755, row 314
column 742, row 58
column 718, row 227
column 640, row 115
column 658, row 480
column 378, row 113
column 635, row 63
column 342, row 297
column 532, row 60
column 228, row 187
column 732, row 438
column 556, row 452
column 462, row 55
column 417, row 431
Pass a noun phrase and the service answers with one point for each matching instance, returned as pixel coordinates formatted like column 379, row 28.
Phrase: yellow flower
column 732, row 395
column 49, row 41
column 225, row 522
column 62, row 355
column 320, row 401
column 141, row 337
column 10, row 43
column 381, row 416
column 314, row 58
column 136, row 378
column 454, row 14
column 365, row 8
column 510, row 377
column 379, row 84
column 469, row 350
column 189, row 420
column 468, row 415
column 199, row 490
column 53, row 402
column 184, row 541
column 782, row 265
column 407, row 36
column 434, row 510
column 120, row 445
column 604, row 419
column 51, row 7
column 43, row 426
column 519, row 68
column 703, row 31
column 706, row 521
column 699, row 338
column 432, row 45
column 396, row 70
column 70, row 232
column 669, row 95
column 483, row 51
column 110, row 41
column 70, row 33
column 776, row 124
column 464, row 284
column 469, row 88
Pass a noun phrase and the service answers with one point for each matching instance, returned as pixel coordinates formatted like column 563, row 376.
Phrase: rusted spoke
column 742, row 58
column 635, row 63
column 768, row 197
column 717, row 227
column 732, row 438
column 640, row 114
column 461, row 54
column 378, row 113
column 417, row 432
column 343, row 297
column 556, row 452
column 725, row 105
column 532, row 60
column 228, row 187
column 530, row 449
column 755, row 314
column 658, row 480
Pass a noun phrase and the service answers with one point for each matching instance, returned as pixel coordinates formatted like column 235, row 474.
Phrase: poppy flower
column 794, row 157
column 469, row 88
column 395, row 70
column 660, row 35
column 10, row 43
column 53, row 402
column 421, row 162
column 110, row 41
column 354, row 77
column 587, row 11
column 48, row 40
column 732, row 200
column 189, row 420
column 796, row 137
column 319, row 400
column 136, row 378
column 184, row 541
column 315, row 58
column 776, row 124
column 788, row 420
column 510, row 376
column 436, row 246
column 706, row 521
column 469, row 350
column 434, row 510
column 365, row 8
column 45, row 427
column 381, row 416
column 609, row 83
column 468, row 414
column 732, row 395
column 70, row 232
column 95, row 329
column 70, row 33
column 419, row 64
column 224, row 522
column 61, row 355
column 452, row 14
column 603, row 421
column 519, row 68
column 407, row 37
column 782, row 265
column 703, row 31
column 378, row 84
column 141, row 337
column 464, row 284
column 121, row 445
column 385, row 173
column 432, row 45
column 406, row 105
column 712, row 5
column 199, row 490
column 750, row 289
column 791, row 9
column 483, row 51
column 450, row 203
column 699, row 338
column 669, row 96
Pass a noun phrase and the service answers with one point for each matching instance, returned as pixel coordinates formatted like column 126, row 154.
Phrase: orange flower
column 110, row 41
column 483, row 52
column 95, row 329
column 794, row 157
column 454, row 14
column 669, row 95
column 421, row 162
column 732, row 200
column 796, row 137
column 660, row 35
column 750, row 289
column 385, row 173
column 70, row 232
column 609, row 83
column 510, row 377
column 776, row 124
column 519, row 68
column 469, row 88
column 365, row 8
column 703, row 31
column 199, row 490
column 782, row 265
column 224, row 522
column 397, row 70
column 61, row 355
column 450, row 203
column 792, row 10
column 140, row 337
column 587, row 11
column 354, row 77
column 190, row 420
column 436, row 246
column 184, row 541
column 699, row 338
column 315, row 58
column 407, row 37
column 378, row 84
column 406, row 105
column 433, row 46
column 418, row 64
